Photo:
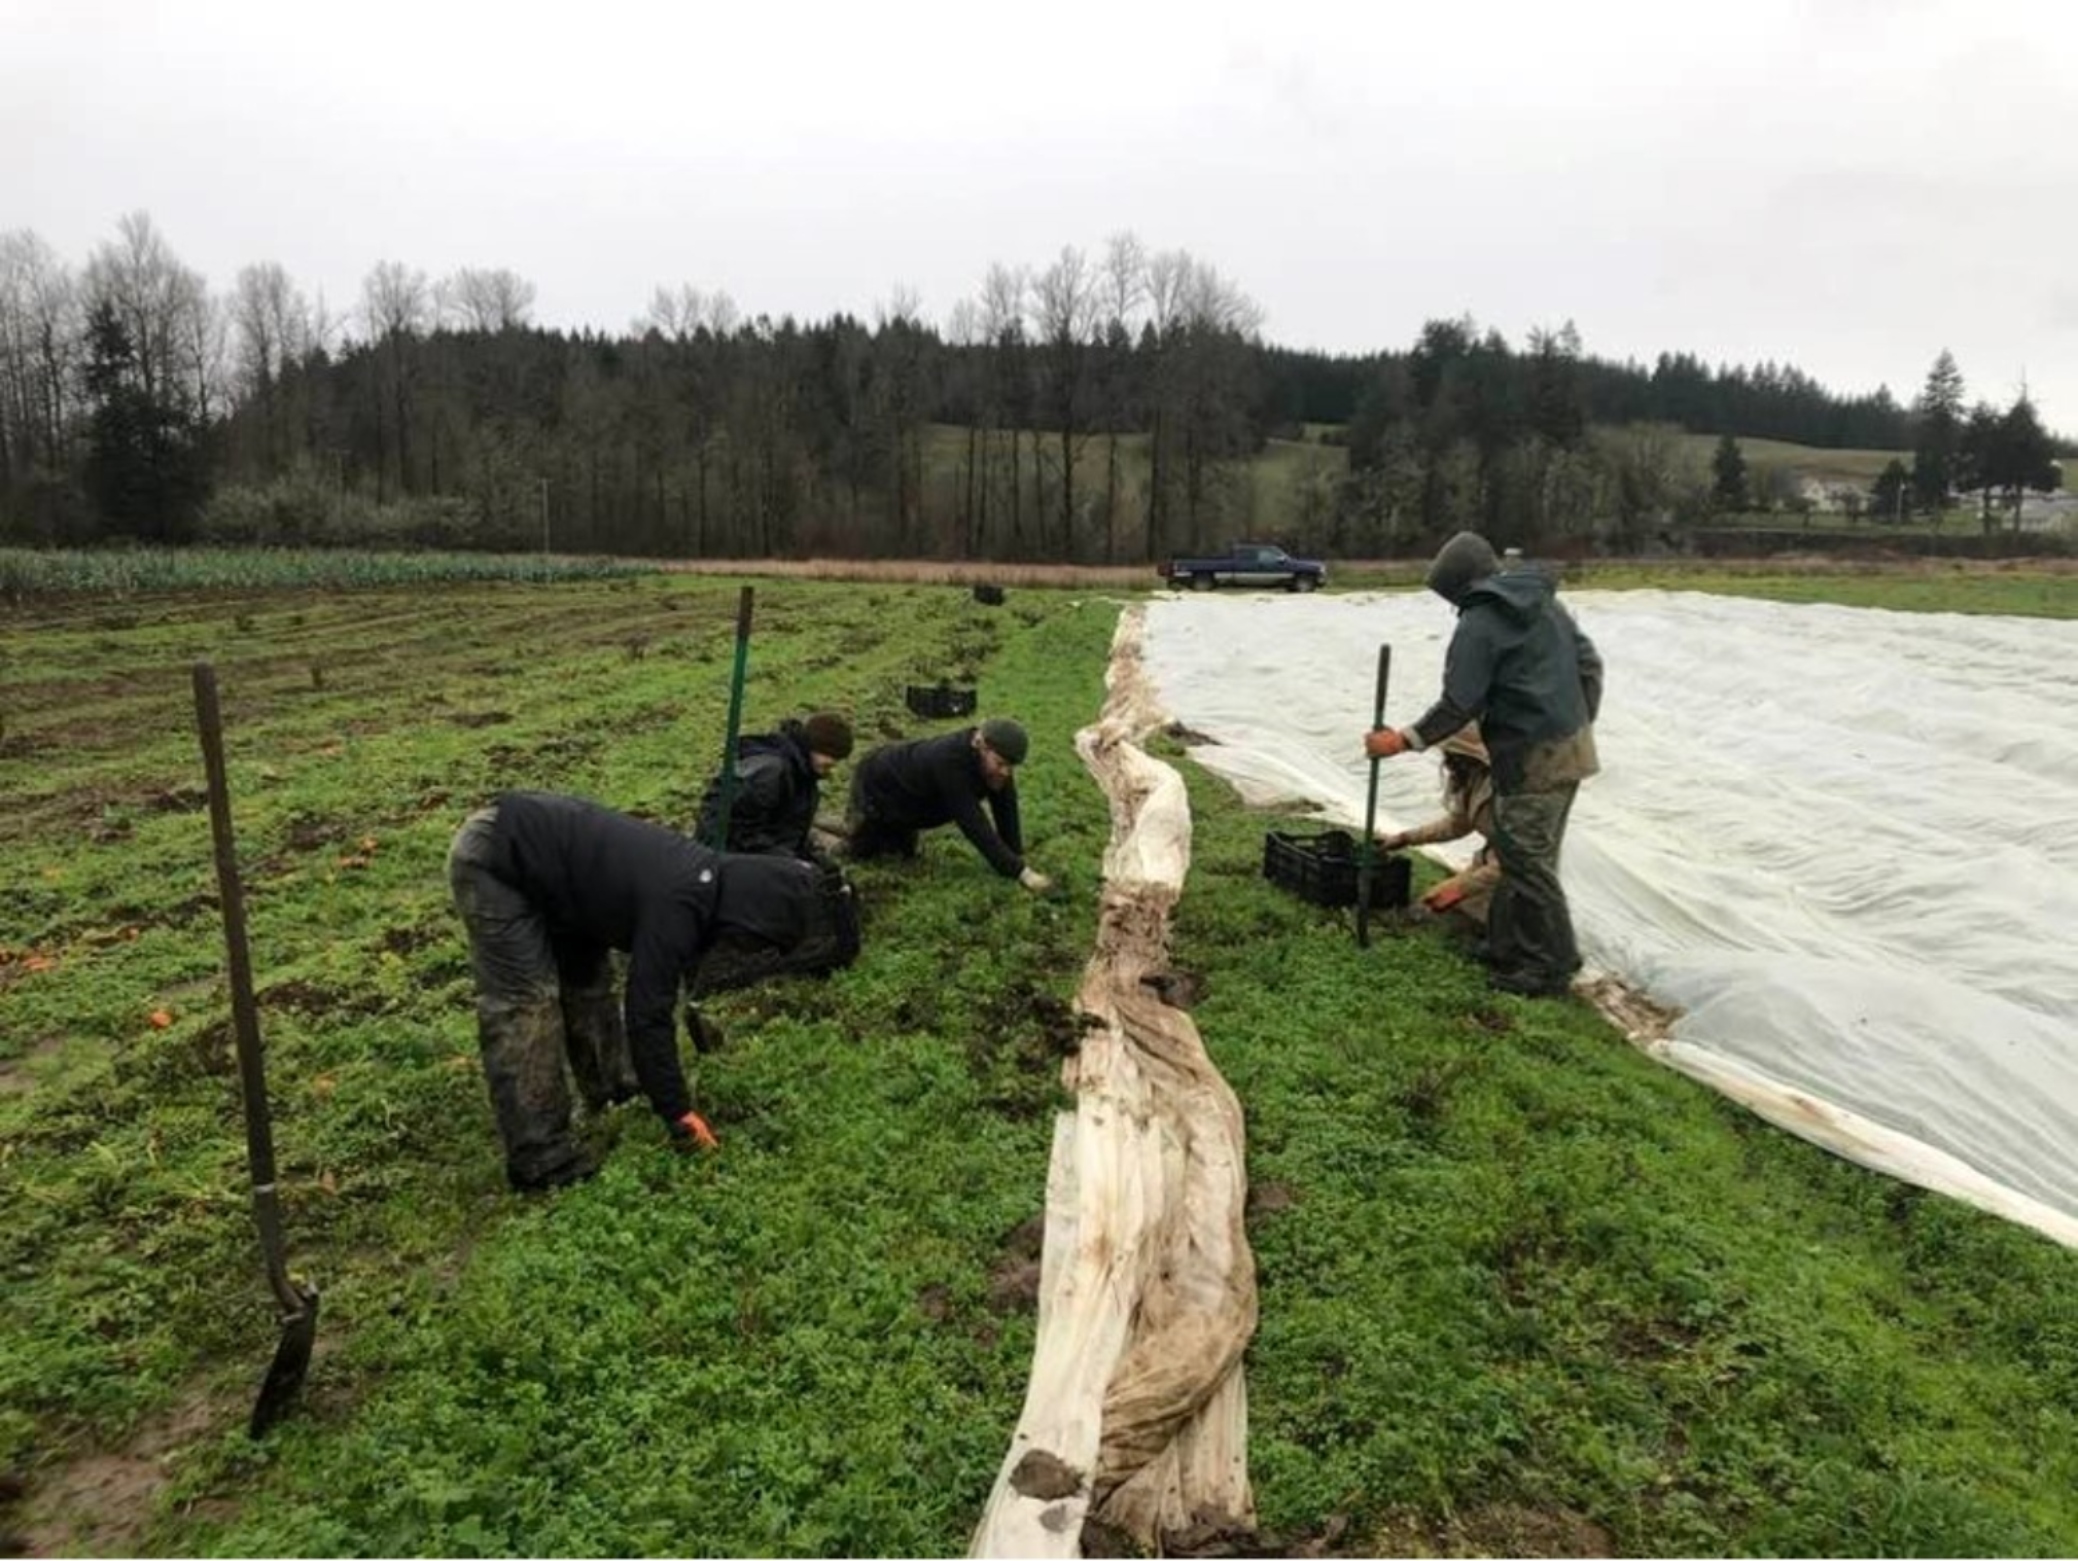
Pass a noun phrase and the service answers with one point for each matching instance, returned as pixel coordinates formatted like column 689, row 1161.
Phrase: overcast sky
column 1847, row 185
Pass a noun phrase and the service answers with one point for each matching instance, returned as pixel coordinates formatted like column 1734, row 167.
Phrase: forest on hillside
column 1097, row 408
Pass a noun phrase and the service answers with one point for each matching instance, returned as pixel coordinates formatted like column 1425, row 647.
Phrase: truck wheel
column 1201, row 582
column 1303, row 582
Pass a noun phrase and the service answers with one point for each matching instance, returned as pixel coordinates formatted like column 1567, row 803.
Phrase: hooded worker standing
column 900, row 789
column 1521, row 667
column 547, row 885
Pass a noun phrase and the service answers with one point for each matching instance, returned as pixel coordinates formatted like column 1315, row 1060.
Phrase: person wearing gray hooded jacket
column 1520, row 666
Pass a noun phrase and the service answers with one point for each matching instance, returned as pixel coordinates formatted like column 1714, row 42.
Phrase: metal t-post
column 727, row 800
column 1367, row 850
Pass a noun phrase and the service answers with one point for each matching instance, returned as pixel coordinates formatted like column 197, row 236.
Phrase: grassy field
column 1860, row 468
column 1522, row 1290
column 1288, row 488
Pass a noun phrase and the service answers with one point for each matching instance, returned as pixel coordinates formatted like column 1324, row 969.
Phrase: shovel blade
column 291, row 1364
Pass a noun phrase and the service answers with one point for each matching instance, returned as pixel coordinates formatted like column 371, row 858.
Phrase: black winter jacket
column 604, row 880
column 939, row 780
column 777, row 791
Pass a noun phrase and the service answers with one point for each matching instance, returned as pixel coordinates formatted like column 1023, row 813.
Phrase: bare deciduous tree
column 396, row 305
column 41, row 323
column 1200, row 325
column 1065, row 311
column 158, row 300
column 486, row 300
column 901, row 397
column 674, row 312
column 1002, row 316
column 964, row 332
column 273, row 331
column 1124, row 285
column 395, row 301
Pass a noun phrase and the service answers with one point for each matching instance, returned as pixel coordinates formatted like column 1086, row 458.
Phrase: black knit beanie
column 827, row 733
column 1006, row 738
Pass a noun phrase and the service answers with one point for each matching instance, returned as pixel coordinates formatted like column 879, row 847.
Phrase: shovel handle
column 1367, row 850
column 727, row 800
column 245, row 1014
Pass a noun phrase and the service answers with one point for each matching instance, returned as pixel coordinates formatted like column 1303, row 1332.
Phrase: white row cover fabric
column 1844, row 842
column 1136, row 1412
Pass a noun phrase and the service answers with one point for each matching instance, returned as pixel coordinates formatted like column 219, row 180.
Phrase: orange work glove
column 1444, row 895
column 691, row 1132
column 1383, row 742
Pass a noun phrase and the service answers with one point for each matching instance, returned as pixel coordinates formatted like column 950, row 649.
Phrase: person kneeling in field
column 547, row 886
column 1468, row 808
column 779, row 778
column 901, row 789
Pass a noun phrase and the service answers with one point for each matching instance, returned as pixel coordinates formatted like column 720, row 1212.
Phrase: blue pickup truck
column 1246, row 563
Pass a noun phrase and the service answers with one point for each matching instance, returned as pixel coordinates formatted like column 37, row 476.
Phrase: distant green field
column 1284, row 494
column 1855, row 466
column 1289, row 460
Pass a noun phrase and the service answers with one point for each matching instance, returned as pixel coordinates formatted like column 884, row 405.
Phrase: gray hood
column 1462, row 562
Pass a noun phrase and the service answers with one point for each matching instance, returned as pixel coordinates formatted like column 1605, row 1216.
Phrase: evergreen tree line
column 1098, row 408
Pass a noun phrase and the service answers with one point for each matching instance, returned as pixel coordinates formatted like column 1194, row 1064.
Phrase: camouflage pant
column 539, row 1005
column 1529, row 925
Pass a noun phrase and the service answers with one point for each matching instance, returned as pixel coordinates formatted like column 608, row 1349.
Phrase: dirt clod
column 1183, row 989
column 178, row 799
column 1013, row 1286
column 1044, row 1477
column 1270, row 1198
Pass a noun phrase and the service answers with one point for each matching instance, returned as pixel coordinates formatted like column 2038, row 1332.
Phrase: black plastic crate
column 940, row 703
column 1323, row 869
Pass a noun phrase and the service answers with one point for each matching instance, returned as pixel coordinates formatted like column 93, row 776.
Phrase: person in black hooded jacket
column 1520, row 666
column 547, row 886
column 779, row 778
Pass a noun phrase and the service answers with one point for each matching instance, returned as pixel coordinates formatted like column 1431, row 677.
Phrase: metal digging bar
column 298, row 1303
column 727, row 800
column 1367, row 848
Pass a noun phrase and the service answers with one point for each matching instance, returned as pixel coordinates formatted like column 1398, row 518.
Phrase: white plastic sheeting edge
column 1841, row 842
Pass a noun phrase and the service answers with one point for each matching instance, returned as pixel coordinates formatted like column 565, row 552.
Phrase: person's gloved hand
column 1444, row 895
column 691, row 1132
column 1383, row 742
column 1035, row 880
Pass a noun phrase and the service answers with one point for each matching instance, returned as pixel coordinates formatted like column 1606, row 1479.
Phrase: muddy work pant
column 541, row 1005
column 1529, row 925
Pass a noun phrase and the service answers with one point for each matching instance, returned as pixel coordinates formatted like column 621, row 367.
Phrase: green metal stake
column 1367, row 851
column 720, row 842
